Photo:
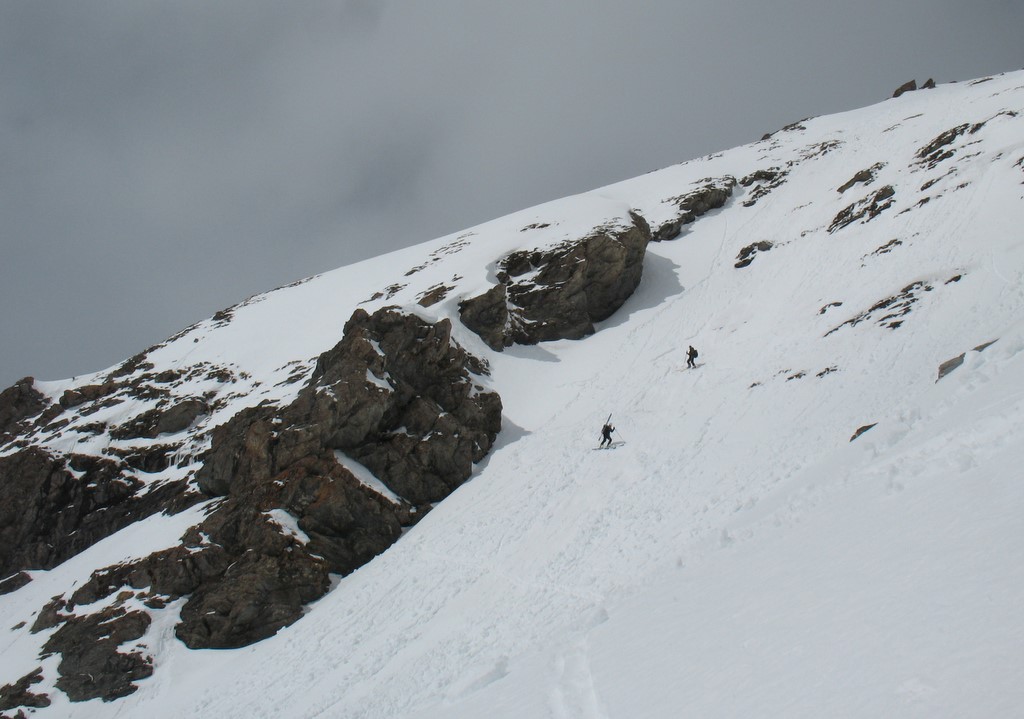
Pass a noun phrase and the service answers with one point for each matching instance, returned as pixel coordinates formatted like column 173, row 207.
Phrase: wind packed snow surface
column 738, row 555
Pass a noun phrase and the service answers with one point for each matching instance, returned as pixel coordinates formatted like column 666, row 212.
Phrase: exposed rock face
column 747, row 254
column 938, row 149
column 911, row 86
column 19, row 694
column 398, row 396
column 866, row 176
column 54, row 508
column 764, row 181
column 17, row 403
column 908, row 86
column 713, row 194
column 89, row 393
column 559, row 293
column 155, row 422
column 90, row 666
column 866, row 209
column 14, row 582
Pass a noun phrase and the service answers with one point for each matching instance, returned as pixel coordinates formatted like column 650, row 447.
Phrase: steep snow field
column 738, row 555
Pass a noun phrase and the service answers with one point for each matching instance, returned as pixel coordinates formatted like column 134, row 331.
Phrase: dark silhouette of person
column 606, row 435
column 691, row 355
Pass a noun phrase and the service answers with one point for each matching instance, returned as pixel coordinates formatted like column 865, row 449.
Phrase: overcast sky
column 162, row 160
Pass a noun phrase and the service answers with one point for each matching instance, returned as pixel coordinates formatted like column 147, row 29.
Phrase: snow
column 288, row 523
column 366, row 477
column 739, row 555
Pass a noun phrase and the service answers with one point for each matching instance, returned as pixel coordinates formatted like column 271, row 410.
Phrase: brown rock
column 559, row 293
column 18, row 694
column 18, row 402
column 908, row 86
column 90, row 666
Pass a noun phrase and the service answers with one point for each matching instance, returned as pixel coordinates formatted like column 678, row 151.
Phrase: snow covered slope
column 738, row 554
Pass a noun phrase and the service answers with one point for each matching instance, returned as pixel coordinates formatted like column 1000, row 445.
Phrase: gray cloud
column 159, row 161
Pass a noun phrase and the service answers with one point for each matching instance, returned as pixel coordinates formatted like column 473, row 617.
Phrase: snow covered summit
column 375, row 492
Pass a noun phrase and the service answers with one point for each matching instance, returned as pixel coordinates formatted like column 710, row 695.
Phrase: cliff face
column 346, row 451
column 396, row 397
column 560, row 292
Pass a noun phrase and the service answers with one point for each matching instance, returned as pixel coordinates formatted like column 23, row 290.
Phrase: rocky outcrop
column 747, row 254
column 19, row 693
column 713, row 194
column 763, row 181
column 176, row 418
column 396, row 396
column 54, row 507
column 87, row 393
column 908, row 86
column 866, row 176
column 90, row 665
column 911, row 86
column 19, row 402
column 559, row 293
column 938, row 149
column 14, row 582
column 864, row 210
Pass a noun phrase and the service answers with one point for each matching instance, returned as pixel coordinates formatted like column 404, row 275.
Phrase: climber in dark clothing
column 691, row 355
column 606, row 434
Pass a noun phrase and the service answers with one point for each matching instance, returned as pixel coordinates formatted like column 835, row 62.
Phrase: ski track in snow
column 738, row 555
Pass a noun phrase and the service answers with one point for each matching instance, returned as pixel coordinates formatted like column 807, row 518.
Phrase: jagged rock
column 936, row 151
column 433, row 295
column 746, row 255
column 866, row 209
column 18, row 694
column 891, row 309
column 908, row 86
column 155, row 422
column 134, row 364
column 488, row 316
column 767, row 180
column 712, row 195
column 18, row 402
column 559, row 293
column 260, row 583
column 151, row 459
column 90, row 666
column 87, row 393
column 54, row 508
column 392, row 376
column 866, row 176
column 14, row 582
column 398, row 395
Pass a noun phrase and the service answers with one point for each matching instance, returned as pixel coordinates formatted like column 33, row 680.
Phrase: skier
column 606, row 435
column 691, row 355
